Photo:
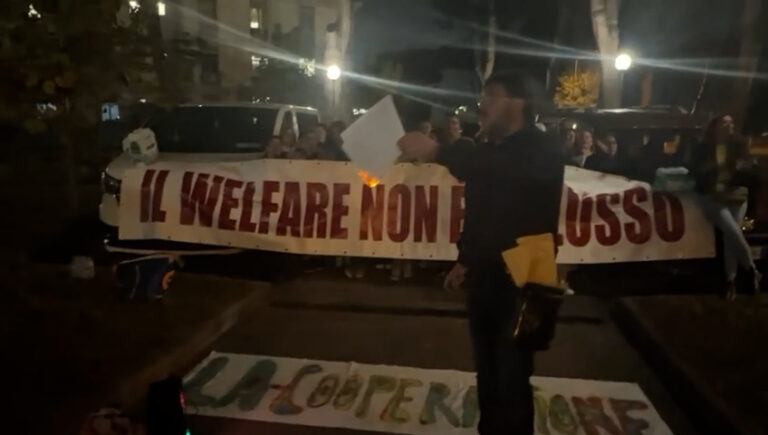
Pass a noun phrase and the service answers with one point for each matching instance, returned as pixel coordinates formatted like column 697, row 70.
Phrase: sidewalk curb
column 707, row 412
column 131, row 391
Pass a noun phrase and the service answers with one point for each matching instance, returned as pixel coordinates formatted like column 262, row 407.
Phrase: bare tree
column 336, row 43
column 749, row 55
column 605, row 25
column 484, row 66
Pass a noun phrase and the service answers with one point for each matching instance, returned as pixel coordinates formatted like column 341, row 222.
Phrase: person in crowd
column 606, row 159
column 274, row 149
column 454, row 128
column 584, row 148
column 569, row 141
column 330, row 147
column 425, row 127
column 307, row 148
column 722, row 169
column 321, row 131
column 287, row 142
column 520, row 168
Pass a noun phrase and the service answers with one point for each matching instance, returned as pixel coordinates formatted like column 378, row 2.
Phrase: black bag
column 536, row 311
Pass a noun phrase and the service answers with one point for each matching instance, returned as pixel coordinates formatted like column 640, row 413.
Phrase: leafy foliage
column 60, row 65
column 578, row 89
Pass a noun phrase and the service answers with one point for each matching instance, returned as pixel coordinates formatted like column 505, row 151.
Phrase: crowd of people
column 719, row 166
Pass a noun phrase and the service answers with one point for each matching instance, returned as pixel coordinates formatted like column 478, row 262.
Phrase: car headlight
column 110, row 184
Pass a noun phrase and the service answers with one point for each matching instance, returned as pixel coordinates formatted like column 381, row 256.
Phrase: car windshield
column 205, row 129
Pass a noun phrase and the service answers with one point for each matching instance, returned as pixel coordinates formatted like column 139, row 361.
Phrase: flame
column 368, row 179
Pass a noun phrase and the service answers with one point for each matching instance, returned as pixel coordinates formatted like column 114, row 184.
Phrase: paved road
column 587, row 346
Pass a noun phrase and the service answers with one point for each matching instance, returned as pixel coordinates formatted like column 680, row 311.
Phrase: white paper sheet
column 371, row 141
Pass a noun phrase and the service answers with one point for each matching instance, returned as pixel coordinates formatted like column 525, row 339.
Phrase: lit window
column 133, row 5
column 33, row 13
column 258, row 61
column 161, row 9
column 255, row 18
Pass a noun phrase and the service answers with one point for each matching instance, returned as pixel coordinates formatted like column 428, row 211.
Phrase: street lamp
column 333, row 72
column 623, row 62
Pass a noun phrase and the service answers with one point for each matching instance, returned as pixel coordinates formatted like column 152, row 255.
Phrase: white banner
column 415, row 212
column 400, row 399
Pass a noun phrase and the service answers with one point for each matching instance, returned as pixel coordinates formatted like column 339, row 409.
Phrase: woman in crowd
column 569, row 141
column 274, row 149
column 723, row 170
column 606, row 158
column 330, row 147
column 584, row 148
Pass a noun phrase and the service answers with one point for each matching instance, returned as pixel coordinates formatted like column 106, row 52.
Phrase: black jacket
column 512, row 190
column 703, row 166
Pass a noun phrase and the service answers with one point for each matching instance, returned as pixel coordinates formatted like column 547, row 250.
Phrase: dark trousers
column 503, row 369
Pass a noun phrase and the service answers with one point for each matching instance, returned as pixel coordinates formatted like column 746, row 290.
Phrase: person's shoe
column 397, row 268
column 408, row 270
column 360, row 272
column 758, row 278
column 348, row 272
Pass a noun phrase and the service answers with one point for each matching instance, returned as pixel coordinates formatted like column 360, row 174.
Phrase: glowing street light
column 161, row 8
column 333, row 72
column 623, row 62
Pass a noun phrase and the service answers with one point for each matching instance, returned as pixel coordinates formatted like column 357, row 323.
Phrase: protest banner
column 413, row 212
column 401, row 399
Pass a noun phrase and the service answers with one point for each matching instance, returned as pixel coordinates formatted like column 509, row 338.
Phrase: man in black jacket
column 513, row 189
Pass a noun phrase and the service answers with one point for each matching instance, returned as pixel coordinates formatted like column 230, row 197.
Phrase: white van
column 197, row 133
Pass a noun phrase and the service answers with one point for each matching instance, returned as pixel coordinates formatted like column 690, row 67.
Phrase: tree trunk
column 605, row 25
column 749, row 55
column 564, row 20
column 484, row 67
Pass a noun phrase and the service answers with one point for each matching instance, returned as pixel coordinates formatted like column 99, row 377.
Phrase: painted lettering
column 315, row 214
column 158, row 214
column 290, row 211
column 372, row 213
column 199, row 200
column 608, row 233
column 146, row 194
column 630, row 426
column 348, row 393
column 593, row 417
column 324, row 391
column 376, row 383
column 246, row 214
column 399, row 211
column 251, row 388
column 393, row 412
column 228, row 203
column 193, row 389
column 561, row 416
column 283, row 403
column 438, row 393
column 268, row 205
column 578, row 219
column 425, row 214
column 670, row 222
column 637, row 232
column 457, row 212
column 339, row 210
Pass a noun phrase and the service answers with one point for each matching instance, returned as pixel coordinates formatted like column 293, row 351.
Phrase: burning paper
column 371, row 141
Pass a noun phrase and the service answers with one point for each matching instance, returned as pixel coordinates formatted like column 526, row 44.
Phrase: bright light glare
column 161, row 9
column 333, row 72
column 623, row 62
column 133, row 5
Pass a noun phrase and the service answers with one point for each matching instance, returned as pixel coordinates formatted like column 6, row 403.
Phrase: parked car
column 193, row 133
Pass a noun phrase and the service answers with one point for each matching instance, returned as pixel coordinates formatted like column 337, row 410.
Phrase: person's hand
column 455, row 277
column 417, row 146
